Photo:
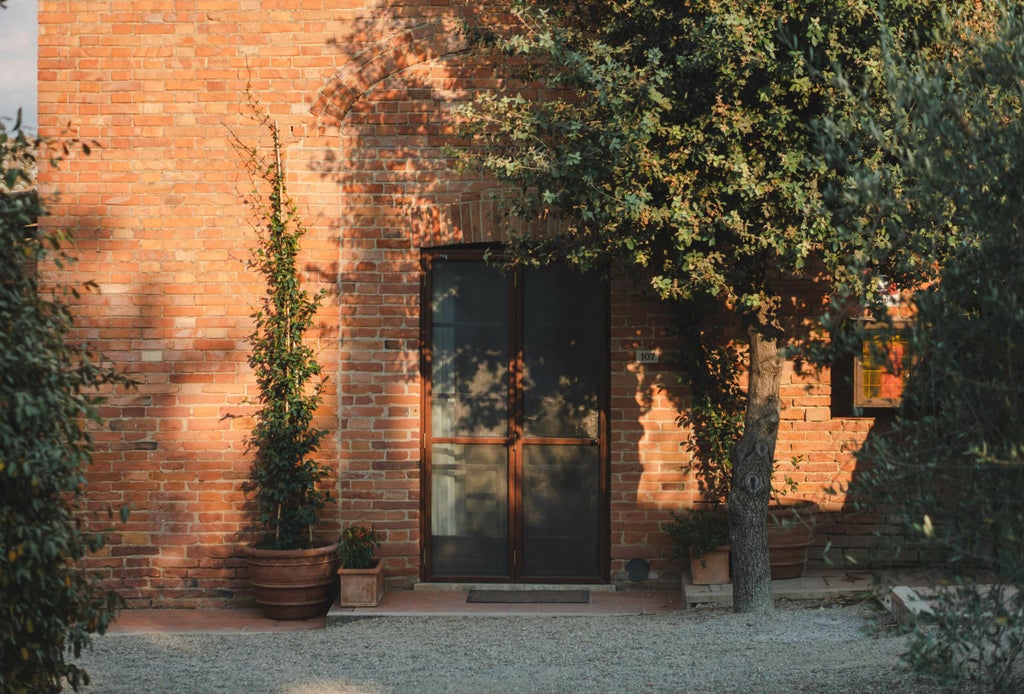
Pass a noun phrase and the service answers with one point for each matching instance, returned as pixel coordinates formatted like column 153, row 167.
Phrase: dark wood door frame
column 513, row 439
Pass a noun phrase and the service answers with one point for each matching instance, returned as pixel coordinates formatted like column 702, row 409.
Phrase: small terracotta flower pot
column 362, row 587
column 710, row 568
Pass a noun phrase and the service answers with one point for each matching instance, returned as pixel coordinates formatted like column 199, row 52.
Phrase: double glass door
column 515, row 367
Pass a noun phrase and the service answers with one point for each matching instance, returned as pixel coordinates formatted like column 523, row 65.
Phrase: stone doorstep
column 445, row 600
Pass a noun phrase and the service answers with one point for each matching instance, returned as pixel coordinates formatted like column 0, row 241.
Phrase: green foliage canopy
column 677, row 140
column 48, row 397
column 951, row 471
column 682, row 145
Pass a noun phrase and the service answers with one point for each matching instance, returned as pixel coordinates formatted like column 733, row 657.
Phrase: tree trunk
column 752, row 459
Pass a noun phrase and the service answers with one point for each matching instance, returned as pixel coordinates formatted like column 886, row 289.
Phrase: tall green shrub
column 950, row 473
column 284, row 474
column 48, row 397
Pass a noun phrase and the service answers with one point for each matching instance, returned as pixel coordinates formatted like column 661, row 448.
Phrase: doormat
column 528, row 596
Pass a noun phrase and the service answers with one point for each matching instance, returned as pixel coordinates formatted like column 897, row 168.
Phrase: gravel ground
column 798, row 648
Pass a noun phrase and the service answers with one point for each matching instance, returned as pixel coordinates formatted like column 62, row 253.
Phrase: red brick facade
column 364, row 92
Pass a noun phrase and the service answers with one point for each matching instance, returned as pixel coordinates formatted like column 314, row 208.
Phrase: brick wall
column 364, row 93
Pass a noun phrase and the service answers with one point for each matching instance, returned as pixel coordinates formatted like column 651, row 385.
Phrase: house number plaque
column 646, row 356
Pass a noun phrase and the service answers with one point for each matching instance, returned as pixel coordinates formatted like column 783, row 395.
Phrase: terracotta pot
column 790, row 533
column 292, row 583
column 362, row 587
column 710, row 568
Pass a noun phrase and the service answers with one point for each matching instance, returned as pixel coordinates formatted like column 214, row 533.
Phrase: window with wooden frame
column 880, row 370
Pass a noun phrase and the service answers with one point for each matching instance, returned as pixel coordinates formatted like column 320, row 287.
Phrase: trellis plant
column 284, row 474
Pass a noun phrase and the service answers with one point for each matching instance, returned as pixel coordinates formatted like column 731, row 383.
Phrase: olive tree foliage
column 951, row 470
column 678, row 144
column 49, row 395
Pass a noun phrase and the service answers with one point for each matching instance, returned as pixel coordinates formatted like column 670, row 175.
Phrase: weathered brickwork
column 364, row 92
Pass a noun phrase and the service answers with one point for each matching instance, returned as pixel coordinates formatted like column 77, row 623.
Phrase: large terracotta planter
column 710, row 568
column 361, row 587
column 790, row 533
column 292, row 583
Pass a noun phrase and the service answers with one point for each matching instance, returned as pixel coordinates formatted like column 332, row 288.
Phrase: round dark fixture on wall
column 638, row 569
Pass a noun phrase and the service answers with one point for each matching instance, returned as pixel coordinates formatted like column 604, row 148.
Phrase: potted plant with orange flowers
column 360, row 572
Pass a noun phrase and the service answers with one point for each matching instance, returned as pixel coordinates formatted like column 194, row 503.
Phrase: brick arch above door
column 446, row 224
column 471, row 217
column 392, row 53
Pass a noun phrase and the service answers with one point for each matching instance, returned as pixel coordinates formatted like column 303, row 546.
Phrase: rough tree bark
column 752, row 459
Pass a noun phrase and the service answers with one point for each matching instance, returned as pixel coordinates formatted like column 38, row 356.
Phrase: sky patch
column 19, row 50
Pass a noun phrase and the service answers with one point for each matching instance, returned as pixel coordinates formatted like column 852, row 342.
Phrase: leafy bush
column 697, row 531
column 951, row 470
column 974, row 640
column 48, row 607
column 356, row 547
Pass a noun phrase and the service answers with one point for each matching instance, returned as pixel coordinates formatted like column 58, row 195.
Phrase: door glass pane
column 469, row 509
column 469, row 343
column 561, row 516
column 563, row 353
